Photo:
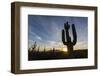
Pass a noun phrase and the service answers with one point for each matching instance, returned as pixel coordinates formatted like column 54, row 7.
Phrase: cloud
column 35, row 35
column 54, row 44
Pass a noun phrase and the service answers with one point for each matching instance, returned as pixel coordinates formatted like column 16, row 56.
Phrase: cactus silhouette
column 34, row 46
column 66, row 38
column 44, row 49
column 53, row 50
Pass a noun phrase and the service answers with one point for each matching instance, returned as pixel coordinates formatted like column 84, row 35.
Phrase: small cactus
column 53, row 50
column 44, row 49
column 34, row 46
column 66, row 38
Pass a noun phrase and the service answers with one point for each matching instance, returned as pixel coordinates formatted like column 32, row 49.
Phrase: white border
column 25, row 64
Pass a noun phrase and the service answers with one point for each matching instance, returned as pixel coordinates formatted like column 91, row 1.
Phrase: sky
column 47, row 31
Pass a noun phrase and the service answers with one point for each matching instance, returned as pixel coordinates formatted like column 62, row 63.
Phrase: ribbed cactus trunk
column 66, row 39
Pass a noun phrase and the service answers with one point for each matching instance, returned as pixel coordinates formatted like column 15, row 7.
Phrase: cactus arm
column 74, row 34
column 67, row 26
column 63, row 37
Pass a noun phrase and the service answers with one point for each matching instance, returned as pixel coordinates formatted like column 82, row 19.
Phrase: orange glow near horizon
column 64, row 49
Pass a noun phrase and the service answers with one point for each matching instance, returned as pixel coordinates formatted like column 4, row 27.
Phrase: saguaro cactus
column 66, row 38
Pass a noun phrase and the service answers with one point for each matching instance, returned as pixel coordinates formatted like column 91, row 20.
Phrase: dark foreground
column 37, row 55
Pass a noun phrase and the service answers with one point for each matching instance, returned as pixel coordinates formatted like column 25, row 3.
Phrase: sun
column 64, row 49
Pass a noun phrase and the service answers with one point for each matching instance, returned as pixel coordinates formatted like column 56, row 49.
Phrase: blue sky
column 46, row 31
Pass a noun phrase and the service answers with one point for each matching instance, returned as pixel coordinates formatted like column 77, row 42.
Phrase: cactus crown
column 66, row 26
column 66, row 39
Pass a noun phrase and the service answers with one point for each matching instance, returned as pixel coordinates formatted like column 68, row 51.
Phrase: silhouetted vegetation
column 57, row 54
